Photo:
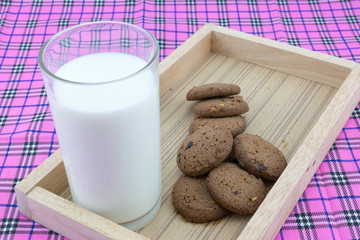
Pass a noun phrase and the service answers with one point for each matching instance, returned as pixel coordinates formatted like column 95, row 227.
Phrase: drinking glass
column 102, row 82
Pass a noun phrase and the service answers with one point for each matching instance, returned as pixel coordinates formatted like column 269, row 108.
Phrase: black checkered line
column 339, row 178
column 304, row 221
column 255, row 21
column 39, row 117
column 3, row 120
column 31, row 23
column 68, row 2
column 319, row 20
column 221, row 2
column 2, row 21
column 65, row 42
column 333, row 147
column 63, row 22
column 130, row 2
column 313, row 1
column 43, row 92
column 356, row 113
column 95, row 43
column 294, row 41
column 327, row 40
column 252, row 2
column 159, row 20
column 162, row 43
column 159, row 2
column 192, row 21
column 25, row 46
column 16, row 181
column 190, row 2
column 287, row 21
column 51, row 232
column 95, row 19
column 9, row 225
column 128, row 20
column 9, row 93
column 37, row 3
column 5, row 2
column 30, row 148
column 224, row 22
column 99, row 3
column 18, row 68
column 282, row 2
column 351, row 19
column 352, row 217
column 125, row 42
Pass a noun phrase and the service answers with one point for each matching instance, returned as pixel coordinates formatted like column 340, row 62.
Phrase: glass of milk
column 102, row 82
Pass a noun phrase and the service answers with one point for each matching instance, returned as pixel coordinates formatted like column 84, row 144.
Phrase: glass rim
column 43, row 68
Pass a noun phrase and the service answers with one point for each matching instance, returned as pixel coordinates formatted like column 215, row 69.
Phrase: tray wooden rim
column 37, row 201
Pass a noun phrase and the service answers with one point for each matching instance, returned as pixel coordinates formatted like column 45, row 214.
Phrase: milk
column 109, row 134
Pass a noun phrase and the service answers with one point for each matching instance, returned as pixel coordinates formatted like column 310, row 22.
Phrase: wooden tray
column 299, row 100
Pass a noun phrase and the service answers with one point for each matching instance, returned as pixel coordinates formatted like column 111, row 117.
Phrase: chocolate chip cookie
column 259, row 157
column 221, row 107
column 235, row 189
column 191, row 198
column 212, row 90
column 236, row 124
column 204, row 149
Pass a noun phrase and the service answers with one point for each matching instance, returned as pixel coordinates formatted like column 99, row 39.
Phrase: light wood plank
column 50, row 174
column 300, row 62
column 185, row 58
column 73, row 221
column 45, row 169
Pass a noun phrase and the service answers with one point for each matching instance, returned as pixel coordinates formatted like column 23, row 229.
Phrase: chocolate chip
column 236, row 193
column 263, row 168
column 189, row 145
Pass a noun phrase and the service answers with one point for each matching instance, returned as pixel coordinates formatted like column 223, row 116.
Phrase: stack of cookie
column 212, row 187
column 218, row 105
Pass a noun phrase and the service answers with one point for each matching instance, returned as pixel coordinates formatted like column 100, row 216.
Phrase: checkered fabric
column 328, row 209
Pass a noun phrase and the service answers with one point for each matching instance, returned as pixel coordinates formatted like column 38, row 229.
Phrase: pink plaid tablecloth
column 328, row 209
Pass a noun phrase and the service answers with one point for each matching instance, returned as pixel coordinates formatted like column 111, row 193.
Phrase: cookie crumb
column 254, row 199
column 212, row 108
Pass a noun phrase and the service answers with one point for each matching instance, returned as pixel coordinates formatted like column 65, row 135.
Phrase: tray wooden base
column 299, row 100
